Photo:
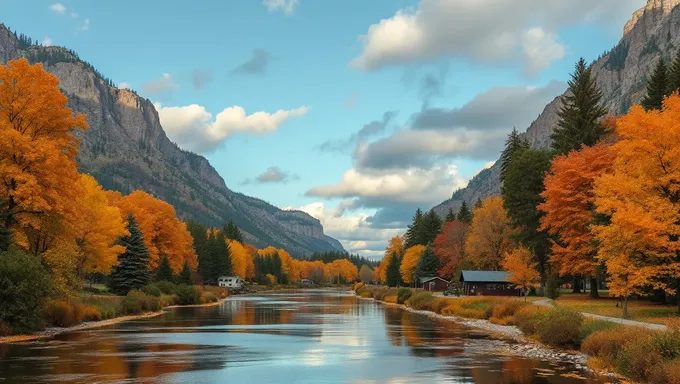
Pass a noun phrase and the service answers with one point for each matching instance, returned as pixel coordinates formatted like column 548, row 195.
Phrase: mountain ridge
column 621, row 73
column 126, row 148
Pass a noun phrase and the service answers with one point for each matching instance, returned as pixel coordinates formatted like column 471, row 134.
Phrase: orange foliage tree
column 239, row 258
column 37, row 147
column 569, row 209
column 394, row 246
column 449, row 246
column 489, row 236
column 164, row 233
column 522, row 269
column 342, row 268
column 641, row 194
column 409, row 263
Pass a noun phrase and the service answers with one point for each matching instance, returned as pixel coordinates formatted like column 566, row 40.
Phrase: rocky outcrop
column 126, row 149
column 652, row 32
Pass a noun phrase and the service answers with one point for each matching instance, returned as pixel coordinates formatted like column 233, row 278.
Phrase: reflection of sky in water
column 307, row 337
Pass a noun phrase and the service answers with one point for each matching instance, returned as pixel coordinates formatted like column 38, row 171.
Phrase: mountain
column 652, row 32
column 126, row 149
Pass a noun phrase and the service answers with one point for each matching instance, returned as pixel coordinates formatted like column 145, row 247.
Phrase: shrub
column 188, row 295
column 552, row 287
column 667, row 343
column 166, row 287
column 590, row 326
column 528, row 317
column 24, row 285
column 403, row 294
column 136, row 302
column 168, row 300
column 457, row 310
column 5, row 330
column 366, row 294
column 380, row 293
column 438, row 304
column 390, row 299
column 606, row 344
column 638, row 359
column 152, row 290
column 421, row 301
column 506, row 308
column 357, row 286
column 666, row 373
column 560, row 327
column 90, row 313
column 208, row 297
column 62, row 313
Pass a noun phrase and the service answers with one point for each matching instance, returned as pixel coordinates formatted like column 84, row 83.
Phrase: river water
column 311, row 336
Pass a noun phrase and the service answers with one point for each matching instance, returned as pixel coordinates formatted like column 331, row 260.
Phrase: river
column 311, row 336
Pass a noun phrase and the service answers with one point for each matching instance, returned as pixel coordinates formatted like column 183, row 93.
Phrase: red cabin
column 433, row 284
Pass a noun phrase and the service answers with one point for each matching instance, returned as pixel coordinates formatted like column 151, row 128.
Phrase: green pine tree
column 450, row 216
column 232, row 232
column 132, row 271
column 200, row 235
column 658, row 87
column 220, row 255
column 464, row 213
column 433, row 225
column 428, row 265
column 514, row 144
column 164, row 271
column 392, row 275
column 581, row 113
column 5, row 239
column 415, row 232
column 674, row 75
column 186, row 276
column 478, row 203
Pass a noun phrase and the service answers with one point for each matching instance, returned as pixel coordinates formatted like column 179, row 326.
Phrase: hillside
column 126, row 149
column 652, row 32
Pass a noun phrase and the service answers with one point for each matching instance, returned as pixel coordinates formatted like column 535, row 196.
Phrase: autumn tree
column 132, row 270
column 641, row 195
column 365, row 274
column 409, row 262
column 449, row 246
column 521, row 267
column 489, row 237
column 395, row 246
column 569, row 210
column 514, row 144
column 658, row 87
column 581, row 112
column 37, row 146
column 239, row 258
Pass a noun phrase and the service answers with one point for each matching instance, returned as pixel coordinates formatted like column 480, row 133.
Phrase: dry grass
column 637, row 309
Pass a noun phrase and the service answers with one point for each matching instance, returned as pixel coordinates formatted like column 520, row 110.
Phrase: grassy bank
column 639, row 354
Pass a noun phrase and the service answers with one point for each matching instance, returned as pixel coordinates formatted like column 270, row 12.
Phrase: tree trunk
column 577, row 285
column 594, row 294
column 625, row 307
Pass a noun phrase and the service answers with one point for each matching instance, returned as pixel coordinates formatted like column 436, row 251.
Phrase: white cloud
column 192, row 127
column 124, row 85
column 285, row 6
column 46, row 42
column 488, row 31
column 85, row 26
column 165, row 84
column 57, row 8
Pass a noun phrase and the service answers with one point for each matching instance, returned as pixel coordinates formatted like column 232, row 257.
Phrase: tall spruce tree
column 513, row 145
column 428, row 264
column 200, row 235
column 392, row 275
column 232, row 232
column 415, row 234
column 132, row 271
column 450, row 216
column 658, row 87
column 186, row 276
column 674, row 75
column 478, row 203
column 433, row 225
column 220, row 256
column 464, row 213
column 581, row 112
column 164, row 271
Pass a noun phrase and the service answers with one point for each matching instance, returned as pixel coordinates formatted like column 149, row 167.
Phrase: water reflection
column 303, row 337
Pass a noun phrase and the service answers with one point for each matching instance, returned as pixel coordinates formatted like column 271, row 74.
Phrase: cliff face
column 652, row 32
column 126, row 149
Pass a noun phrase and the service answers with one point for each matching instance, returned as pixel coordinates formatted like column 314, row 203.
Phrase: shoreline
column 54, row 331
column 512, row 341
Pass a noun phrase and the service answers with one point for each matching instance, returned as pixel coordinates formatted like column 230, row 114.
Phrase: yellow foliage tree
column 239, row 259
column 642, row 196
column 409, row 263
column 489, row 237
column 522, row 269
column 394, row 246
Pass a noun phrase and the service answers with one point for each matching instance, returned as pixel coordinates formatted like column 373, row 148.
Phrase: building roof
column 426, row 279
column 484, row 276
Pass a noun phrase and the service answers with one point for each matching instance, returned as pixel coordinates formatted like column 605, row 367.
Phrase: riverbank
column 54, row 331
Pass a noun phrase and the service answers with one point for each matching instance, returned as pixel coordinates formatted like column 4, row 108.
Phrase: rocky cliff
column 652, row 32
column 126, row 149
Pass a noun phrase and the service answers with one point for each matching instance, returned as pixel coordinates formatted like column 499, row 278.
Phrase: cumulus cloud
column 482, row 31
column 165, row 84
column 192, row 127
column 46, row 42
column 124, row 85
column 375, row 127
column 273, row 175
column 200, row 77
column 57, row 8
column 255, row 65
column 285, row 6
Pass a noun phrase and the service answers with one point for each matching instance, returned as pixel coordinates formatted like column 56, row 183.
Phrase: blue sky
column 441, row 81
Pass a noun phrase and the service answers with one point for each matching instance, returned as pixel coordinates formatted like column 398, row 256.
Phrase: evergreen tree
column 220, row 256
column 581, row 112
column 464, row 213
column 450, row 216
column 658, row 87
column 5, row 239
column 513, row 145
column 200, row 235
column 415, row 234
column 674, row 75
column 132, row 271
column 164, row 271
column 186, row 276
column 428, row 265
column 478, row 203
column 432, row 225
column 232, row 232
column 392, row 275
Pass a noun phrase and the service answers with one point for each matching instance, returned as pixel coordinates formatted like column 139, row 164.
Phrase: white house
column 230, row 282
